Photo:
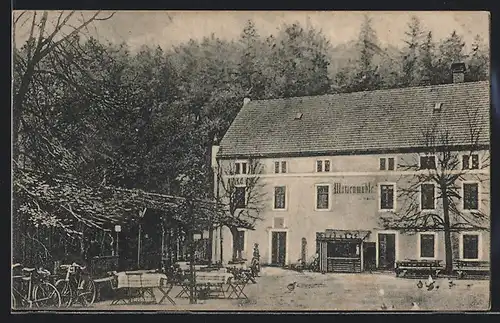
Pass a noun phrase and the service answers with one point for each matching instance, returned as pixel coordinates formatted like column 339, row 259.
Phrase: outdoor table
column 212, row 281
column 144, row 283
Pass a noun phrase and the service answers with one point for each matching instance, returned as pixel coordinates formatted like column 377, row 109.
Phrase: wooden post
column 162, row 242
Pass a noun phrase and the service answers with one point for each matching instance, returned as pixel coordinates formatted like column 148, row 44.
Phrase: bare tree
column 45, row 33
column 242, row 196
column 450, row 161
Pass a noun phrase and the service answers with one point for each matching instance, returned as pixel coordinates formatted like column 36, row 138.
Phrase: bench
column 471, row 268
column 418, row 268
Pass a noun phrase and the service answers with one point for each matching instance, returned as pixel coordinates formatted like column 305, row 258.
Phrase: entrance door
column 386, row 250
column 278, row 248
column 369, row 255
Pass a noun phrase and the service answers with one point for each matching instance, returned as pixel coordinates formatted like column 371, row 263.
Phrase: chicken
column 437, row 287
column 383, row 307
column 291, row 286
column 414, row 306
column 469, row 285
column 420, row 284
column 451, row 283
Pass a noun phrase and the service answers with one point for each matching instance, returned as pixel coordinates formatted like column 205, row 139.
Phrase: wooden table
column 142, row 283
column 208, row 282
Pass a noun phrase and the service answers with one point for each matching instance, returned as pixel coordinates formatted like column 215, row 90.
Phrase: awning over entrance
column 335, row 234
column 341, row 250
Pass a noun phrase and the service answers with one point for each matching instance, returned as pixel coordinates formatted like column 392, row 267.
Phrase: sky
column 166, row 29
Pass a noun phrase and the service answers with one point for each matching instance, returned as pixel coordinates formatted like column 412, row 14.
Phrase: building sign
column 366, row 188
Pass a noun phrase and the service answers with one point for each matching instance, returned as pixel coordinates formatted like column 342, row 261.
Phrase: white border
column 419, row 245
column 396, row 246
column 479, row 245
column 420, row 197
column 395, row 197
column 271, row 244
column 274, row 198
column 316, row 197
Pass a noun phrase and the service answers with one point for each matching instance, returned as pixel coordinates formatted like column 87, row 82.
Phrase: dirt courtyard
column 338, row 292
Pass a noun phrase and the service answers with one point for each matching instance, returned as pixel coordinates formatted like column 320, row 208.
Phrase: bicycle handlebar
column 73, row 265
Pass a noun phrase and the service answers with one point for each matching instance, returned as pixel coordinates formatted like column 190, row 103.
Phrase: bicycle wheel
column 86, row 291
column 46, row 295
column 66, row 292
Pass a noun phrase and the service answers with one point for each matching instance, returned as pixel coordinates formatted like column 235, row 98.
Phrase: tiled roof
column 354, row 122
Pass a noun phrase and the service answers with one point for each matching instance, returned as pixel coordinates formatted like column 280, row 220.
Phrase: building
column 333, row 167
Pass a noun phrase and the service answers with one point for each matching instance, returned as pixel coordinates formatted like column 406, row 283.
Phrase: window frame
column 241, row 162
column 380, row 196
column 274, row 198
column 245, row 196
column 462, row 205
column 420, row 197
column 316, row 197
column 419, row 246
column 280, row 166
column 323, row 162
column 479, row 244
column 427, row 156
column 469, row 159
column 386, row 164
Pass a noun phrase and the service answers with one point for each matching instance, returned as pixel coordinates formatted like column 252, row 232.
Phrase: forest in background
column 97, row 114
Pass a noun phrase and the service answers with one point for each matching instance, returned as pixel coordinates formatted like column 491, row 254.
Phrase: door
column 369, row 255
column 278, row 248
column 386, row 250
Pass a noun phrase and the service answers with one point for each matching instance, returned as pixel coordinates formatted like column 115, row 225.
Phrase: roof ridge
column 372, row 91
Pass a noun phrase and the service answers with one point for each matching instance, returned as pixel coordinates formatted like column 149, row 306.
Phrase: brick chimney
column 458, row 71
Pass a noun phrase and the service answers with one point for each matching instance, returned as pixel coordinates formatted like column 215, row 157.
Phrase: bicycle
column 76, row 286
column 31, row 289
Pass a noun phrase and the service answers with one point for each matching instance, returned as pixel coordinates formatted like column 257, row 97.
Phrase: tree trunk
column 236, row 242
column 447, row 233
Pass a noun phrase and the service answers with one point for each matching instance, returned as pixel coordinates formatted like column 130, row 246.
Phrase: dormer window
column 241, row 168
column 298, row 116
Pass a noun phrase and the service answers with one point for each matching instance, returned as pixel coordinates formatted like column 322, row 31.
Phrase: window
column 280, row 197
column 387, row 197
column 427, row 198
column 280, row 167
column 241, row 167
column 427, row 162
column 387, row 163
column 427, row 245
column 322, row 165
column 239, row 197
column 470, row 161
column 322, row 197
column 471, row 196
column 470, row 246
